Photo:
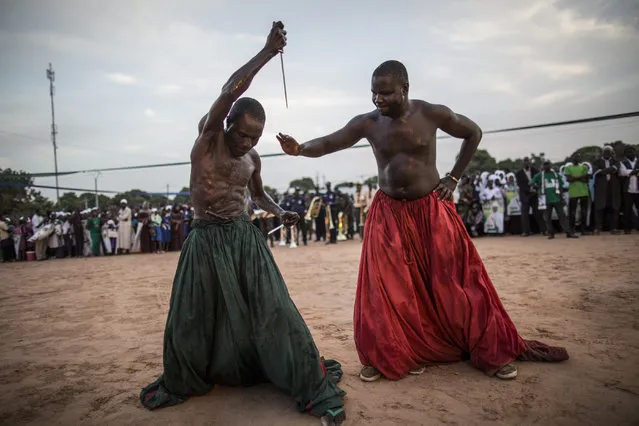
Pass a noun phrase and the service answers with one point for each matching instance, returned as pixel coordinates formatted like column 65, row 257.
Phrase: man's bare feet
column 507, row 372
column 369, row 374
column 334, row 417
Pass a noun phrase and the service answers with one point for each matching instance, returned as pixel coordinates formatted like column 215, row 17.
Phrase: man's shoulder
column 364, row 119
column 254, row 157
column 431, row 110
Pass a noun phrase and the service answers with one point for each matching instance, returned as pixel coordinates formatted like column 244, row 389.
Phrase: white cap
column 123, row 201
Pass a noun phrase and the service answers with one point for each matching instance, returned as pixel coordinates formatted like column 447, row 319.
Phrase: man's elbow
column 477, row 133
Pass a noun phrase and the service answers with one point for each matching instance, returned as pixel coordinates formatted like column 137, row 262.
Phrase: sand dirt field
column 79, row 338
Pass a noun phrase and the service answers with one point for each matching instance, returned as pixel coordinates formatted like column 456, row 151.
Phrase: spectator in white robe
column 490, row 191
column 124, row 228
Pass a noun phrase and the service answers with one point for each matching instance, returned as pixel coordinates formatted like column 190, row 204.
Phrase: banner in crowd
column 494, row 216
column 513, row 205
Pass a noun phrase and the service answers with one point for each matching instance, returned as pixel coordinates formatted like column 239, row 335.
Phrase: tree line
column 18, row 197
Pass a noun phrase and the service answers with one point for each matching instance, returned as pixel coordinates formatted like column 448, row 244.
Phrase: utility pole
column 54, row 130
column 97, row 199
column 167, row 192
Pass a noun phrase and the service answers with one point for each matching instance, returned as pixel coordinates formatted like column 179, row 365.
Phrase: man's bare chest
column 411, row 136
column 229, row 170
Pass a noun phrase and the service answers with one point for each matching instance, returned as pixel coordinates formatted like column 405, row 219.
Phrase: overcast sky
column 133, row 78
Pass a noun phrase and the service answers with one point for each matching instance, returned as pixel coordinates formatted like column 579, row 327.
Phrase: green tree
column 344, row 185
column 87, row 200
column 481, row 161
column 134, row 197
column 588, row 153
column 371, row 180
column 510, row 165
column 269, row 190
column 182, row 199
column 17, row 198
column 159, row 201
column 69, row 201
column 304, row 184
column 39, row 202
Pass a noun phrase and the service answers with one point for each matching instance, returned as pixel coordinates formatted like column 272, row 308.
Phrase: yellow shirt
column 4, row 230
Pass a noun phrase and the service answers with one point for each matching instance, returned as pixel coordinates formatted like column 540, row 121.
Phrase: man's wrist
column 300, row 148
column 452, row 177
column 269, row 53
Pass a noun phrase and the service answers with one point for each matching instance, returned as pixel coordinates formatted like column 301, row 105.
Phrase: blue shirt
column 298, row 204
column 286, row 202
column 329, row 198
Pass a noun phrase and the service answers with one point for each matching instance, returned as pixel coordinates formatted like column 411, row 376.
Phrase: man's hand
column 289, row 144
column 276, row 39
column 446, row 188
column 289, row 218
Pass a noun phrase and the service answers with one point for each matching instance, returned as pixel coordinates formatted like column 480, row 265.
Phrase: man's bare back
column 402, row 134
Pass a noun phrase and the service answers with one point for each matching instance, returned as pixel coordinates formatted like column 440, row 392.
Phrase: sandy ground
column 79, row 338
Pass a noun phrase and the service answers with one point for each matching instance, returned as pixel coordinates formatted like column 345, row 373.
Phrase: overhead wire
column 358, row 146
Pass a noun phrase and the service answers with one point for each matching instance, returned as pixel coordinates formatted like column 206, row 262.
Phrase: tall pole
column 97, row 199
column 54, row 131
column 167, row 192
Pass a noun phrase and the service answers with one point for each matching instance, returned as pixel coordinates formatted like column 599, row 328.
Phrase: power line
column 364, row 145
column 92, row 191
column 21, row 135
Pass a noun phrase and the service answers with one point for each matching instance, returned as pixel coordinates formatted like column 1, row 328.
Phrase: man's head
column 244, row 125
column 526, row 163
column 389, row 87
column 297, row 191
column 328, row 186
column 546, row 166
column 123, row 203
column 358, row 187
column 576, row 158
column 629, row 152
column 607, row 152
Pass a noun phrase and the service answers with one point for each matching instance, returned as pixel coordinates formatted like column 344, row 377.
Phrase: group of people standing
column 326, row 216
column 91, row 232
column 577, row 198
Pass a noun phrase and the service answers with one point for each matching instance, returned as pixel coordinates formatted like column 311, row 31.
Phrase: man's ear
column 405, row 89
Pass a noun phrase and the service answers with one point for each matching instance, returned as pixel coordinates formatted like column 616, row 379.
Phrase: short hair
column 242, row 106
column 248, row 106
column 394, row 69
